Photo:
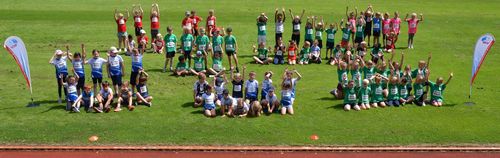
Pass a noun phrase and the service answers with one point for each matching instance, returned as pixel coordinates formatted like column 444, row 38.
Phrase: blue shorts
column 122, row 34
column 220, row 96
column 208, row 106
column 72, row 97
column 278, row 60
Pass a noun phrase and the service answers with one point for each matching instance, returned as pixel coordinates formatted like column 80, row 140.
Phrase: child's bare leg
column 290, row 110
column 193, row 72
column 374, row 105
column 382, row 104
column 283, row 110
column 257, row 60
column 118, row 105
column 208, row 113
column 212, row 71
column 347, row 107
column 385, row 92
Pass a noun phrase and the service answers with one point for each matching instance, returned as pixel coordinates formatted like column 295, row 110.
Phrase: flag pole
column 32, row 104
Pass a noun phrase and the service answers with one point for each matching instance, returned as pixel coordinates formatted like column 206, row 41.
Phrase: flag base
column 30, row 105
column 469, row 103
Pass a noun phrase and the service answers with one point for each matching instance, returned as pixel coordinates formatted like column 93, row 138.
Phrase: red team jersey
column 143, row 39
column 155, row 22
column 137, row 21
column 211, row 24
column 292, row 53
column 122, row 27
column 195, row 20
column 390, row 43
column 159, row 44
column 187, row 23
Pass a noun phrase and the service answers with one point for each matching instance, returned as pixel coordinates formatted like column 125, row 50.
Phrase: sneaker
column 118, row 110
column 76, row 109
column 149, row 104
column 96, row 109
column 334, row 92
column 223, row 115
column 171, row 69
column 423, row 104
column 125, row 49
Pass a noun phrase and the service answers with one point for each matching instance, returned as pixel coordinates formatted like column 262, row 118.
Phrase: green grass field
column 450, row 31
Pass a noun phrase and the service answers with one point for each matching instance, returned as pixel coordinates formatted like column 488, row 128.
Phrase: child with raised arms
column 330, row 41
column 279, row 50
column 377, row 96
column 305, row 53
column 262, row 54
column 360, row 28
column 124, row 98
column 286, row 98
column 261, row 28
column 296, row 21
column 155, row 21
column 377, row 53
column 171, row 42
column 59, row 61
column 319, row 28
column 231, row 48
column 346, row 34
column 356, row 75
column 121, row 21
column 86, row 98
column 288, row 78
column 342, row 71
column 70, row 86
column 105, row 98
column 377, row 25
column 138, row 13
column 423, row 68
column 115, row 67
column 437, row 89
column 351, row 18
column 368, row 18
column 78, row 62
column 396, row 23
column 412, row 27
column 279, row 20
column 267, row 83
column 309, row 29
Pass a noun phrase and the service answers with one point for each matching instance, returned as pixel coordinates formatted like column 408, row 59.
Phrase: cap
column 143, row 32
column 158, row 35
column 113, row 50
column 188, row 13
column 59, row 52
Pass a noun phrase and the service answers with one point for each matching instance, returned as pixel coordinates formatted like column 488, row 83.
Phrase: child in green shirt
column 182, row 68
column 437, row 89
column 305, row 53
column 200, row 63
column 350, row 97
column 364, row 95
column 262, row 54
column 171, row 47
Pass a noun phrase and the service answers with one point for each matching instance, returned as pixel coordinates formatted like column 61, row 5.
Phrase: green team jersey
column 262, row 53
column 261, row 28
column 170, row 40
column 202, row 42
column 393, row 92
column 364, row 94
column 342, row 76
column 319, row 33
column 384, row 73
column 187, row 40
column 360, row 31
column 346, row 34
column 337, row 52
column 304, row 54
column 230, row 42
column 217, row 64
column 403, row 91
column 181, row 66
column 408, row 79
column 418, row 89
column 437, row 91
column 309, row 33
column 417, row 72
column 356, row 76
column 350, row 96
column 330, row 35
column 199, row 64
column 217, row 44
column 369, row 72
column 377, row 95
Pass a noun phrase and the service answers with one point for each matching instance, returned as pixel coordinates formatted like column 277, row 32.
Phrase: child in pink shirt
column 412, row 27
column 386, row 27
column 395, row 24
column 351, row 18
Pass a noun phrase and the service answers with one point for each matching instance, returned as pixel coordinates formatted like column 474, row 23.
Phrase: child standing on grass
column 200, row 63
column 59, row 61
column 350, row 97
column 158, row 44
column 360, row 28
column 116, row 68
column 346, row 34
column 364, row 95
column 261, row 28
column 86, row 98
column 386, row 27
column 330, row 41
column 96, row 64
column 155, row 21
column 279, row 20
column 368, row 18
column 437, row 89
column 309, row 29
column 196, row 20
column 412, row 27
column 377, row 25
column 187, row 45
column 124, row 97
column 279, row 50
column 70, row 85
column 297, row 20
column 171, row 41
column 237, row 81
column 199, row 89
column 202, row 41
column 209, row 102
column 292, row 53
column 319, row 28
column 181, row 69
column 105, row 98
column 122, row 28
column 136, row 67
column 251, row 88
column 351, row 18
column 211, row 22
column 267, row 83
column 138, row 13
column 305, row 53
column 231, row 48
column 396, row 23
column 78, row 62
column 262, row 54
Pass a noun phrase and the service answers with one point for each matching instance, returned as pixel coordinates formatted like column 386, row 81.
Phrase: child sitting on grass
column 199, row 89
column 158, row 44
column 305, row 53
column 279, row 50
column 200, row 63
column 182, row 68
column 124, row 97
column 251, row 88
column 72, row 96
column 262, row 54
column 315, row 56
column 105, row 98
column 241, row 108
column 437, row 89
column 209, row 102
column 292, row 53
column 142, row 94
column 227, row 103
column 86, row 98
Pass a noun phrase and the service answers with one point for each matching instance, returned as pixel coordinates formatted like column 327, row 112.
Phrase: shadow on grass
column 55, row 107
column 336, row 106
column 327, row 98
column 188, row 104
column 449, row 105
column 155, row 70
column 198, row 111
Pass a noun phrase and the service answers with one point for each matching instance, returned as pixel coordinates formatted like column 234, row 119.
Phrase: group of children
column 244, row 98
column 380, row 84
column 79, row 93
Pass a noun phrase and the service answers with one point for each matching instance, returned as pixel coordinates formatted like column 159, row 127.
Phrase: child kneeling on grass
column 105, row 98
column 124, row 97
column 142, row 94
column 86, row 98
column 350, row 97
column 72, row 96
column 286, row 99
column 377, row 96
column 437, row 89
column 241, row 108
column 270, row 103
column 255, row 109
column 364, row 95
column 209, row 102
column 305, row 53
column 226, row 103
